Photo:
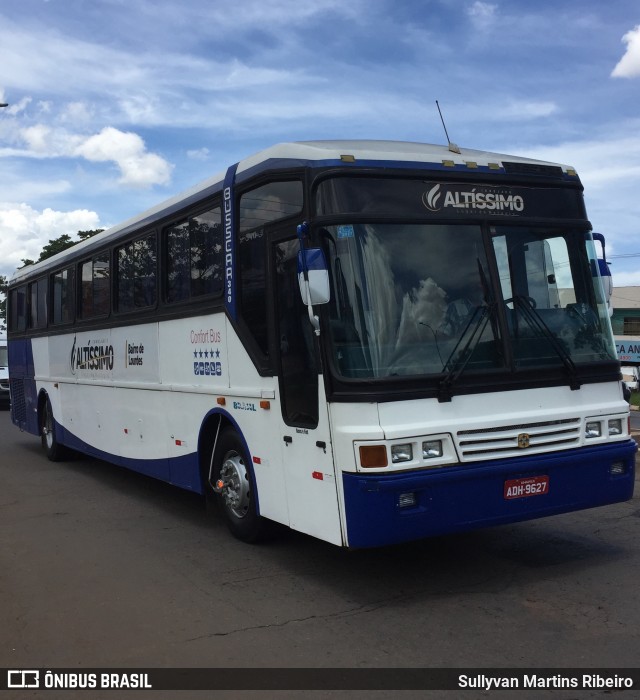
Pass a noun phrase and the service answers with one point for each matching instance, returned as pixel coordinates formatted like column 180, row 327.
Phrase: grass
column 635, row 398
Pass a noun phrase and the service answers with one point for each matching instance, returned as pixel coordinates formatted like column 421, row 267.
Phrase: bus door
column 304, row 425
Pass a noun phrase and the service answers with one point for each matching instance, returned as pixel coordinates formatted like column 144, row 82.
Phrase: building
column 626, row 323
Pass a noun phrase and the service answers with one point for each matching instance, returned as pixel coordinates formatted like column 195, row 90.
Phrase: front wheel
column 234, row 486
column 53, row 449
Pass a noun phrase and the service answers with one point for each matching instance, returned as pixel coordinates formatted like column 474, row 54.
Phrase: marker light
column 432, row 449
column 615, row 426
column 401, row 453
column 594, row 430
column 373, row 456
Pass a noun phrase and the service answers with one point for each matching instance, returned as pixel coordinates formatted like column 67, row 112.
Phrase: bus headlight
column 593, row 430
column 432, row 449
column 615, row 426
column 401, row 453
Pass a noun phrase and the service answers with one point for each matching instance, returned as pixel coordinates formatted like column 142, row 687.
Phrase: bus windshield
column 413, row 299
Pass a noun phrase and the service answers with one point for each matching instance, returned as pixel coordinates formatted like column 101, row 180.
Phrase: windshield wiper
column 536, row 321
column 477, row 324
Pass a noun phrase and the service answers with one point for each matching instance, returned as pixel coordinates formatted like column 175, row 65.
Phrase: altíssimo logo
column 484, row 198
column 91, row 357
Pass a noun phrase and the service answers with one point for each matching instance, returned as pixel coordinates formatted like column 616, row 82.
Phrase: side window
column 252, row 289
column 258, row 207
column 136, row 274
column 38, row 304
column 62, row 286
column 270, row 202
column 95, row 275
column 194, row 257
column 18, row 309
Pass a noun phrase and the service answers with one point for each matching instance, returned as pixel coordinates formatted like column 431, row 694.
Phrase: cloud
column 600, row 162
column 629, row 64
column 138, row 167
column 482, row 14
column 25, row 230
column 202, row 154
column 528, row 110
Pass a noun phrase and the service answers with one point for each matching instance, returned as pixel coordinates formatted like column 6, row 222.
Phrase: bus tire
column 234, row 486
column 53, row 449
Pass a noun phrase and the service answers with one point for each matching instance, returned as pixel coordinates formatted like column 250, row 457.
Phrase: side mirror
column 313, row 277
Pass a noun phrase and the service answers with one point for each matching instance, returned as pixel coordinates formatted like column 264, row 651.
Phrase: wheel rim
column 47, row 427
column 236, row 489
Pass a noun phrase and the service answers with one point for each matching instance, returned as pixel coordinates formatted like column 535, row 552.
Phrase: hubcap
column 47, row 428
column 235, row 490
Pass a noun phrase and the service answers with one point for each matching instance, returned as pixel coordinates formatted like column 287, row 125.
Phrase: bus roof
column 300, row 154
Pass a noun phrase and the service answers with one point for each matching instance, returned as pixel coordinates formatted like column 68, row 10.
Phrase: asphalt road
column 103, row 567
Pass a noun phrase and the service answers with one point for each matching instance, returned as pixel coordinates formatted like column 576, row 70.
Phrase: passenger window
column 18, row 309
column 136, row 274
column 194, row 257
column 95, row 286
column 38, row 304
column 62, row 283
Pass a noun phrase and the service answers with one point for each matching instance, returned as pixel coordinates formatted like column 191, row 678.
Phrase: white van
column 4, row 373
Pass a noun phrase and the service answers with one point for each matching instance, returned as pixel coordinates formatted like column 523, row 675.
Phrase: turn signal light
column 373, row 456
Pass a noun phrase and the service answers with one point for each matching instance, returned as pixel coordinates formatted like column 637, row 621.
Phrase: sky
column 116, row 105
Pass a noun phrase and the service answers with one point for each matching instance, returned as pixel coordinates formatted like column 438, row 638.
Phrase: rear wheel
column 53, row 449
column 235, row 489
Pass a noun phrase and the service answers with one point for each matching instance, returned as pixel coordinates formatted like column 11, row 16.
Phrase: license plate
column 525, row 487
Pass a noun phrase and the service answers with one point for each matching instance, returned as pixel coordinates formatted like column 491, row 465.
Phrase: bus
column 370, row 342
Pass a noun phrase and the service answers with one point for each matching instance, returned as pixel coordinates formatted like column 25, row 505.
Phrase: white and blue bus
column 369, row 342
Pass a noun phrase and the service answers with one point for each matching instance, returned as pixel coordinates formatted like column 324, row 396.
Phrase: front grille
column 518, row 440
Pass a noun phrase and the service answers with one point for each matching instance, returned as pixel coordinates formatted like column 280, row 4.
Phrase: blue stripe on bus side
column 183, row 471
column 470, row 497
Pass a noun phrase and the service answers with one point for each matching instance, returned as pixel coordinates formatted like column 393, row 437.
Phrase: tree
column 53, row 247
column 57, row 245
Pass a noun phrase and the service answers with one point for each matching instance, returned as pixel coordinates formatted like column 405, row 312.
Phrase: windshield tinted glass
column 550, row 285
column 416, row 299
column 409, row 299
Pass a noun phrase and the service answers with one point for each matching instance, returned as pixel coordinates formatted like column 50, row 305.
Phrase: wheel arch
column 43, row 396
column 212, row 426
